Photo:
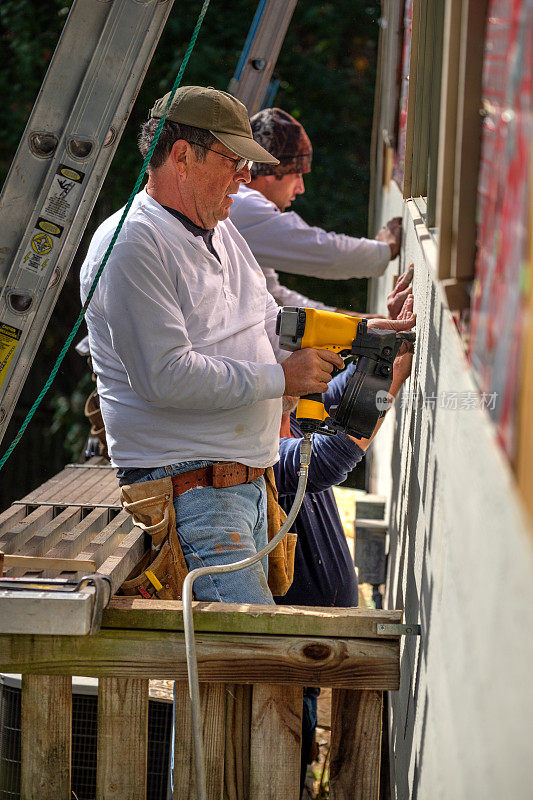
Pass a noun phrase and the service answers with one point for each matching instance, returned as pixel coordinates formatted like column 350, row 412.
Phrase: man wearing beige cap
column 182, row 338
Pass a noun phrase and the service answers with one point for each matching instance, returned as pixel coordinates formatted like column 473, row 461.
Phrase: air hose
column 188, row 624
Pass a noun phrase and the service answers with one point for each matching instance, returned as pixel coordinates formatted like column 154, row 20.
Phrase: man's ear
column 180, row 154
column 262, row 182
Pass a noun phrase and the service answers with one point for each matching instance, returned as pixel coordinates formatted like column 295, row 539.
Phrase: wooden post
column 122, row 739
column 276, row 739
column 213, row 701
column 237, row 751
column 356, row 720
column 46, row 725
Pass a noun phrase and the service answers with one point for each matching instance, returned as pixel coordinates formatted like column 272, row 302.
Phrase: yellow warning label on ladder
column 9, row 339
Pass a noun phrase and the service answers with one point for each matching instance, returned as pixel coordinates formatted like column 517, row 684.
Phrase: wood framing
column 468, row 139
column 411, row 100
column 447, row 134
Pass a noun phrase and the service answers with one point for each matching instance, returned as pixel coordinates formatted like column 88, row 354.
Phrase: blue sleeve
column 333, row 458
column 337, row 385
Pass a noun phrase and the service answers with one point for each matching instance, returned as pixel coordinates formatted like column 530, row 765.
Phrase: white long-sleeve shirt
column 282, row 240
column 181, row 344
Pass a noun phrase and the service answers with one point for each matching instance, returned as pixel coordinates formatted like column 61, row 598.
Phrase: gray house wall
column 460, row 564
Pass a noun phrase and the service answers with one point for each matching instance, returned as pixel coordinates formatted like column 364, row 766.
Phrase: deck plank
column 129, row 612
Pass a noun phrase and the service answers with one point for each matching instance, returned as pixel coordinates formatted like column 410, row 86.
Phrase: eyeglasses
column 240, row 163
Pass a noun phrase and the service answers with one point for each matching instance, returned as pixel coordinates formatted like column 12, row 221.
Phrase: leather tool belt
column 220, row 475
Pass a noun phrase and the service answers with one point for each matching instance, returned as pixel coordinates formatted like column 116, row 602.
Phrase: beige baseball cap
column 218, row 112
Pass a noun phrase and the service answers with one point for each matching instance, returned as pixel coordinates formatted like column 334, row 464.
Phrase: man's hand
column 407, row 308
column 402, row 363
column 401, row 368
column 399, row 294
column 391, row 234
column 309, row 371
column 362, row 314
column 403, row 323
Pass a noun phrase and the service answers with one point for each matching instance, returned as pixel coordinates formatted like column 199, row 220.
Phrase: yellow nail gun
column 373, row 350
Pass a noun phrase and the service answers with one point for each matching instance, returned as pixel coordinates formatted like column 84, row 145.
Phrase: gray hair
column 170, row 133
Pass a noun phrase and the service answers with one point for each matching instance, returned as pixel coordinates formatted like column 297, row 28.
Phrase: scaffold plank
column 129, row 612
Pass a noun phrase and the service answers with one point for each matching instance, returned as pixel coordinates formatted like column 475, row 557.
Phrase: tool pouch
column 281, row 559
column 162, row 570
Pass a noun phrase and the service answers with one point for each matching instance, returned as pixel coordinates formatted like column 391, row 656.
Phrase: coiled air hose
column 188, row 624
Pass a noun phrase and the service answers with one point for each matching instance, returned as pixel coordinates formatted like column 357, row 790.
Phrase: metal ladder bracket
column 398, row 629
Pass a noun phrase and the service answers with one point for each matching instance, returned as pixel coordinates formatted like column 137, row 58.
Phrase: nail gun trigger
column 347, row 357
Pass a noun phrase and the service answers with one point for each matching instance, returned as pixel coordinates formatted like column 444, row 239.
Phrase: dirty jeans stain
column 220, row 526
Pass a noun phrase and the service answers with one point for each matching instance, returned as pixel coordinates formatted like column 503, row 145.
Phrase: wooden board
column 139, row 614
column 90, row 484
column 276, row 736
column 447, row 131
column 469, row 125
column 46, row 726
column 32, row 563
column 237, row 745
column 351, row 663
column 213, row 711
column 356, row 722
column 122, row 739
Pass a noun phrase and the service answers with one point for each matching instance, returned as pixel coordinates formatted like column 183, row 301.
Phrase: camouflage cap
column 283, row 137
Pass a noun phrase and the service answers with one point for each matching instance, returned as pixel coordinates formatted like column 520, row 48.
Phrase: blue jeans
column 219, row 526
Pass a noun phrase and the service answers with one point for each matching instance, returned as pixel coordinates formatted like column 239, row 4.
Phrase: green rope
column 127, row 207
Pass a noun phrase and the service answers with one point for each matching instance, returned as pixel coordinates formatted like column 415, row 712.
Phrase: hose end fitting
column 306, row 449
